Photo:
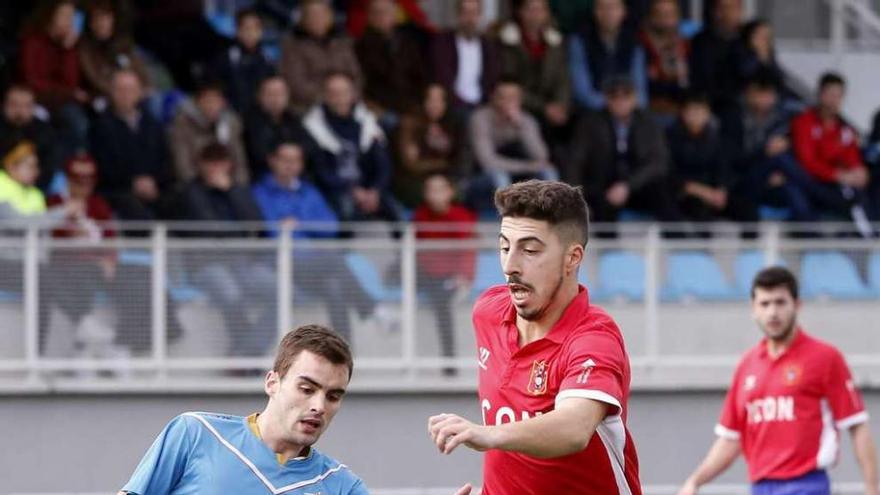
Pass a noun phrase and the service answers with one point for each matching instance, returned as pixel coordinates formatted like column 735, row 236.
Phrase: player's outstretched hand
column 465, row 490
column 449, row 431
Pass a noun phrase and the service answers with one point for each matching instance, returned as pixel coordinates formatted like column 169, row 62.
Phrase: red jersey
column 823, row 151
column 786, row 411
column 582, row 356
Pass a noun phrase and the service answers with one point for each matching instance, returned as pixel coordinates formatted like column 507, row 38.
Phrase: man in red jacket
column 828, row 149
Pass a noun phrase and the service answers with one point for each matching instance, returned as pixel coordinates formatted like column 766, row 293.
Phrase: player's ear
column 573, row 258
column 272, row 382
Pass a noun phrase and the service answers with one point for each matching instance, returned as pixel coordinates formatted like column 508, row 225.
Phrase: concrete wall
column 92, row 443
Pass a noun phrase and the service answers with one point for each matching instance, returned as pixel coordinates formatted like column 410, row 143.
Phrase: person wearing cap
column 621, row 158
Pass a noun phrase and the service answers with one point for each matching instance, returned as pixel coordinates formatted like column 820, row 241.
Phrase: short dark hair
column 829, row 78
column 244, row 13
column 763, row 79
column 773, row 277
column 212, row 85
column 338, row 73
column 214, row 152
column 316, row 339
column 559, row 204
column 286, row 141
column 694, row 97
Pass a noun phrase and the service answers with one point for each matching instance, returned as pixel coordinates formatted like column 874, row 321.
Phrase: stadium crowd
column 339, row 111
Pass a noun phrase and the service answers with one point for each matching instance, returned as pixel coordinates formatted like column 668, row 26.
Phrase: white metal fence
column 187, row 307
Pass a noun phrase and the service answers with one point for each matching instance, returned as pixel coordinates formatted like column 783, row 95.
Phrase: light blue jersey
column 205, row 453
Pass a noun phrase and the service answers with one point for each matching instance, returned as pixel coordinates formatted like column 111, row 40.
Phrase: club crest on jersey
column 792, row 374
column 538, row 378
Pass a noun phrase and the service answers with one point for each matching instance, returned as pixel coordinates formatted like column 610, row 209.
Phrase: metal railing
column 187, row 312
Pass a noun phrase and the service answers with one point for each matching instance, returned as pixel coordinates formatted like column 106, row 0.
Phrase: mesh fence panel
column 12, row 334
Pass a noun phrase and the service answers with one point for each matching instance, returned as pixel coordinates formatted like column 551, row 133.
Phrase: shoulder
column 821, row 349
column 329, row 467
column 492, row 304
column 210, row 418
column 595, row 323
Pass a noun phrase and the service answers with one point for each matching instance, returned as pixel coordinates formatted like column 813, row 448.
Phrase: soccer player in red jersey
column 790, row 396
column 554, row 372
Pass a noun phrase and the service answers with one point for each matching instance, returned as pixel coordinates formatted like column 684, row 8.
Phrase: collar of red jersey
column 799, row 338
column 561, row 328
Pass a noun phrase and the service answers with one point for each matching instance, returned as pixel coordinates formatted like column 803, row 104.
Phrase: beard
column 536, row 313
column 784, row 334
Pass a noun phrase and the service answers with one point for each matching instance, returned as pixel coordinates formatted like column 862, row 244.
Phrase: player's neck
column 776, row 347
column 272, row 435
column 533, row 330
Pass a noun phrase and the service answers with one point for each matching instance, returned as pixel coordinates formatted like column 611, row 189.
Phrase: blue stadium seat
column 831, row 274
column 634, row 216
column 10, row 297
column 622, row 275
column 773, row 213
column 745, row 267
column 595, row 290
column 487, row 273
column 695, row 274
column 874, row 273
column 370, row 279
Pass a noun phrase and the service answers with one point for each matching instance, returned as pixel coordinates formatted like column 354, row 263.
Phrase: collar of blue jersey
column 799, row 338
column 567, row 321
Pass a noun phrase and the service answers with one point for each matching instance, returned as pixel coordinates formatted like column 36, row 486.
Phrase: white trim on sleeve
column 855, row 419
column 724, row 432
column 597, row 395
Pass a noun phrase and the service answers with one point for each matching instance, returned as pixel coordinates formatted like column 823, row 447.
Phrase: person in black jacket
column 700, row 174
column 713, row 61
column 129, row 144
column 621, row 159
column 243, row 65
column 236, row 281
column 268, row 123
column 20, row 122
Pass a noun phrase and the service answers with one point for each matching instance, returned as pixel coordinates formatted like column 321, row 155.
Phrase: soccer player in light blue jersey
column 265, row 453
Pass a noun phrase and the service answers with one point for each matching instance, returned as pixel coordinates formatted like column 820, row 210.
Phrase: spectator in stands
column 430, row 141
column 73, row 278
column 532, row 52
column 50, row 66
column 606, row 49
column 351, row 163
column 444, row 273
column 313, row 50
column 285, row 197
column 464, row 59
column 104, row 49
column 621, row 159
column 392, row 61
column 507, row 143
column 268, row 123
column 19, row 121
column 134, row 166
column 357, row 16
column 713, row 56
column 872, row 159
column 763, row 164
column 828, row 148
column 243, row 65
column 204, row 119
column 667, row 54
column 701, row 177
column 237, row 282
column 756, row 52
column 20, row 199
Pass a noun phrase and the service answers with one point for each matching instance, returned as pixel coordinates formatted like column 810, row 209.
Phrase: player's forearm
column 866, row 454
column 555, row 434
column 722, row 454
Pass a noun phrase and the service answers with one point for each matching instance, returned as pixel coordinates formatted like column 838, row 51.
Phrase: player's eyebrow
column 318, row 385
column 524, row 240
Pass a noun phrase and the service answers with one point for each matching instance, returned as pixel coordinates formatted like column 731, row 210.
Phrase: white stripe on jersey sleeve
column 855, row 419
column 596, row 395
column 727, row 433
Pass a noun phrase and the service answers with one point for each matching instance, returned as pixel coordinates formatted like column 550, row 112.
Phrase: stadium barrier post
column 652, row 267
column 285, row 279
column 31, row 291
column 410, row 292
column 158, row 308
